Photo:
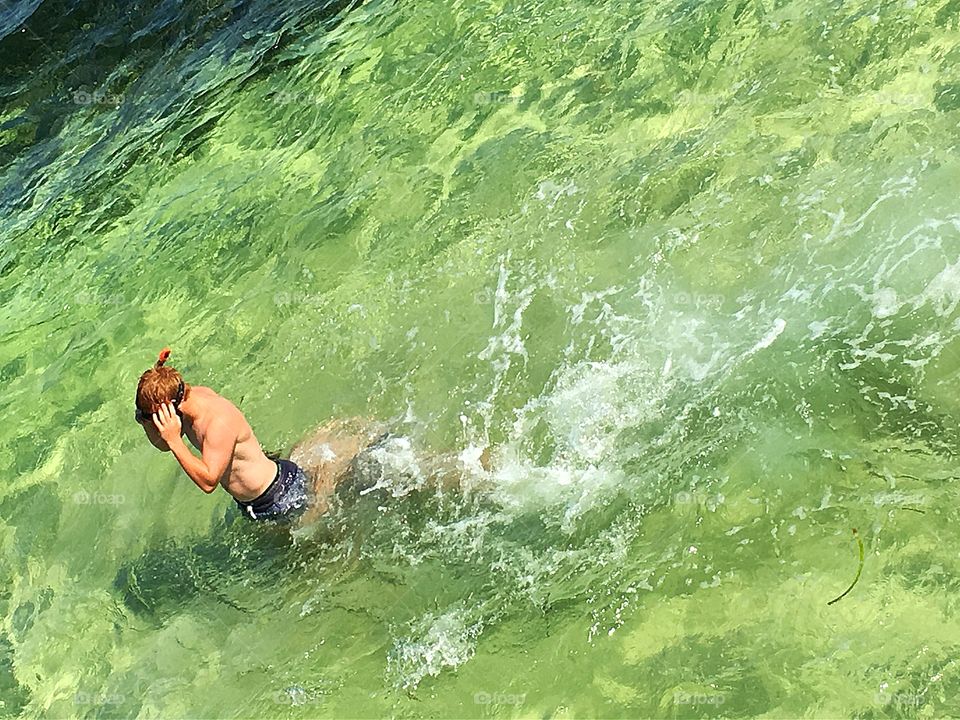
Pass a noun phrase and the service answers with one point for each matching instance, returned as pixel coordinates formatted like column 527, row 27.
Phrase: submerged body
column 328, row 453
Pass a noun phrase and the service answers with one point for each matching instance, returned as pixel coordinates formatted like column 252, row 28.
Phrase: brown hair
column 158, row 385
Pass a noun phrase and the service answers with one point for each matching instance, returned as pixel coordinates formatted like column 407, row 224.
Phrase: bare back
column 249, row 471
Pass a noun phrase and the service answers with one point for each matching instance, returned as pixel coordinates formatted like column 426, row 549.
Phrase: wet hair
column 158, row 385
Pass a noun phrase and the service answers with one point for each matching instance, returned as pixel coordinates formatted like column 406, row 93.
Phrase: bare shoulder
column 204, row 393
column 223, row 417
column 213, row 398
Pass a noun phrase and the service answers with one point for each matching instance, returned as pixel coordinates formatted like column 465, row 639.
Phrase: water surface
column 691, row 270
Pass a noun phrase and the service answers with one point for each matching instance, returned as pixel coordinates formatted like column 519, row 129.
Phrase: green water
column 691, row 270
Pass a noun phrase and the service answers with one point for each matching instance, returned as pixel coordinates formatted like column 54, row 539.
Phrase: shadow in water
column 240, row 564
column 235, row 557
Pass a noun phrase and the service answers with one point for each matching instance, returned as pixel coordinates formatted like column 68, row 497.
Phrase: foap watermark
column 692, row 97
column 286, row 97
column 697, row 698
column 286, row 298
column 296, row 696
column 92, row 297
column 135, row 691
column 499, row 698
column 698, row 300
column 484, row 296
column 82, row 497
column 693, row 497
column 97, row 97
column 98, row 698
column 495, row 97
column 894, row 98
column 900, row 700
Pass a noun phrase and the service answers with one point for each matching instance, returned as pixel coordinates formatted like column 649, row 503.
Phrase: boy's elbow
column 209, row 480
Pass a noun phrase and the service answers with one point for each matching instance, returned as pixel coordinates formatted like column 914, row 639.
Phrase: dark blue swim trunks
column 284, row 500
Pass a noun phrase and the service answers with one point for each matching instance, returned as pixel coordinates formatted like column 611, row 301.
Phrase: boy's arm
column 218, row 445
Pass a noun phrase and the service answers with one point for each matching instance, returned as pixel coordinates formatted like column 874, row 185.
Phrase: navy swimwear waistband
column 263, row 498
column 284, row 498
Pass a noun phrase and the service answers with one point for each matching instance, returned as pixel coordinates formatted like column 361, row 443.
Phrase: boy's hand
column 167, row 423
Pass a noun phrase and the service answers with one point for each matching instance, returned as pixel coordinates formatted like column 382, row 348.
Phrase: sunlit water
column 691, row 270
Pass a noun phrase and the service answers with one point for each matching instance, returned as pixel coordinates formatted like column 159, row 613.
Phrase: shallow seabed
column 691, row 270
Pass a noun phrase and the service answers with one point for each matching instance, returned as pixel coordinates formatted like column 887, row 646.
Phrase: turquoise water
column 691, row 270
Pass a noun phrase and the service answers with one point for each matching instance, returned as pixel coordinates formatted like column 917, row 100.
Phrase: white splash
column 436, row 642
column 391, row 465
column 767, row 340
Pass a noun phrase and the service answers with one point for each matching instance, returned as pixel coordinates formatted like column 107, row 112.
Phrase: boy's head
column 158, row 385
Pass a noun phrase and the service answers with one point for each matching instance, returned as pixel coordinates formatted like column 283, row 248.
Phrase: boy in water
column 268, row 488
column 230, row 456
